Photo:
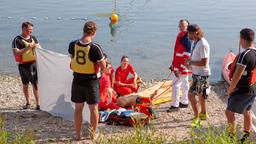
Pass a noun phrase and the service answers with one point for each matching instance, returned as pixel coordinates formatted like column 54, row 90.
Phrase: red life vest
column 28, row 56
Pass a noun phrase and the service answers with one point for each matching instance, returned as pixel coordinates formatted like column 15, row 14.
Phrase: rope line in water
column 41, row 18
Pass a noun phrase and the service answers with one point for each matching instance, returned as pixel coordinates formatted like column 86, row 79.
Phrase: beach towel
column 54, row 82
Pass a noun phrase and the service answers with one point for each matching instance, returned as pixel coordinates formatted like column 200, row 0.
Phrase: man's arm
column 18, row 52
column 202, row 62
column 122, row 84
column 102, row 65
column 236, row 77
column 36, row 43
column 204, row 53
column 118, row 82
column 16, row 48
column 135, row 77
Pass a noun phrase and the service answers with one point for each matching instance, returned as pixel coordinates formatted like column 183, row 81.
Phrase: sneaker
column 245, row 137
column 195, row 122
column 231, row 135
column 181, row 105
column 38, row 107
column 203, row 116
column 173, row 108
column 27, row 106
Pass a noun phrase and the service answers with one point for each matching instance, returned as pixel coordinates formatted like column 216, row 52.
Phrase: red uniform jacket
column 182, row 51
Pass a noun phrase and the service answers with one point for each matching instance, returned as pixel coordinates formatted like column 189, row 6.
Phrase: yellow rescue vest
column 27, row 56
column 81, row 62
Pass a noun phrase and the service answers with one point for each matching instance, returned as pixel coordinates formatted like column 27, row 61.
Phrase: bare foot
column 77, row 138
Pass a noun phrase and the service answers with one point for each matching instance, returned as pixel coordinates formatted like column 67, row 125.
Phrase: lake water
column 146, row 31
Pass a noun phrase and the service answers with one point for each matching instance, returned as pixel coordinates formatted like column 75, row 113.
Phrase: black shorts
column 200, row 85
column 85, row 90
column 239, row 103
column 28, row 73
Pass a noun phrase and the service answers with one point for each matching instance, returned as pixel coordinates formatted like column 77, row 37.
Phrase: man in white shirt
column 199, row 63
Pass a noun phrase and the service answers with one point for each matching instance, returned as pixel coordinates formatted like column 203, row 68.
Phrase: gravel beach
column 50, row 129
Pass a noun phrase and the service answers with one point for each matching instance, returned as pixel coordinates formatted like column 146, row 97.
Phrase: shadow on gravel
column 220, row 88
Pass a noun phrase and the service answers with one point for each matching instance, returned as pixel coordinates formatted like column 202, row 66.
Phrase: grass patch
column 215, row 135
column 145, row 135
column 14, row 137
column 139, row 135
column 3, row 132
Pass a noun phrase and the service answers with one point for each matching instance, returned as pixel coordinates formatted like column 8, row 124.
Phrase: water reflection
column 113, row 28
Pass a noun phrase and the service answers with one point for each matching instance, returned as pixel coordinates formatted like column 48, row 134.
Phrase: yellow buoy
column 114, row 18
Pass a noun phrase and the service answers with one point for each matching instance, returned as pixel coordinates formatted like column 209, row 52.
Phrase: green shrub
column 25, row 138
column 3, row 132
column 213, row 135
column 14, row 137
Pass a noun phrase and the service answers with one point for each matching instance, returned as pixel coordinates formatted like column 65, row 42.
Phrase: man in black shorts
column 23, row 47
column 86, row 62
column 242, row 91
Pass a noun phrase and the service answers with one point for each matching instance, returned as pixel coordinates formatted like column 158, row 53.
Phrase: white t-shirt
column 201, row 50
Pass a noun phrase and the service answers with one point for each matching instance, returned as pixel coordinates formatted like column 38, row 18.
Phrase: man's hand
column 171, row 68
column 230, row 91
column 109, row 92
column 177, row 74
column 129, row 85
column 109, row 100
column 31, row 45
column 38, row 45
column 188, row 60
column 135, row 85
column 235, row 79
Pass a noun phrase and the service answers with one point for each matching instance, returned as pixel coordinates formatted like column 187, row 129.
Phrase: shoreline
column 215, row 82
column 48, row 128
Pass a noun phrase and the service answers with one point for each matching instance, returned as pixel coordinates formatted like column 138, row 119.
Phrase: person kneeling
column 107, row 95
column 123, row 85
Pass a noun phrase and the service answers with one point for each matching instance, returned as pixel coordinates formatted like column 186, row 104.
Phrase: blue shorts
column 239, row 103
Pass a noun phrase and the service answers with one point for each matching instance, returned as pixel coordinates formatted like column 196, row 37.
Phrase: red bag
column 252, row 79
